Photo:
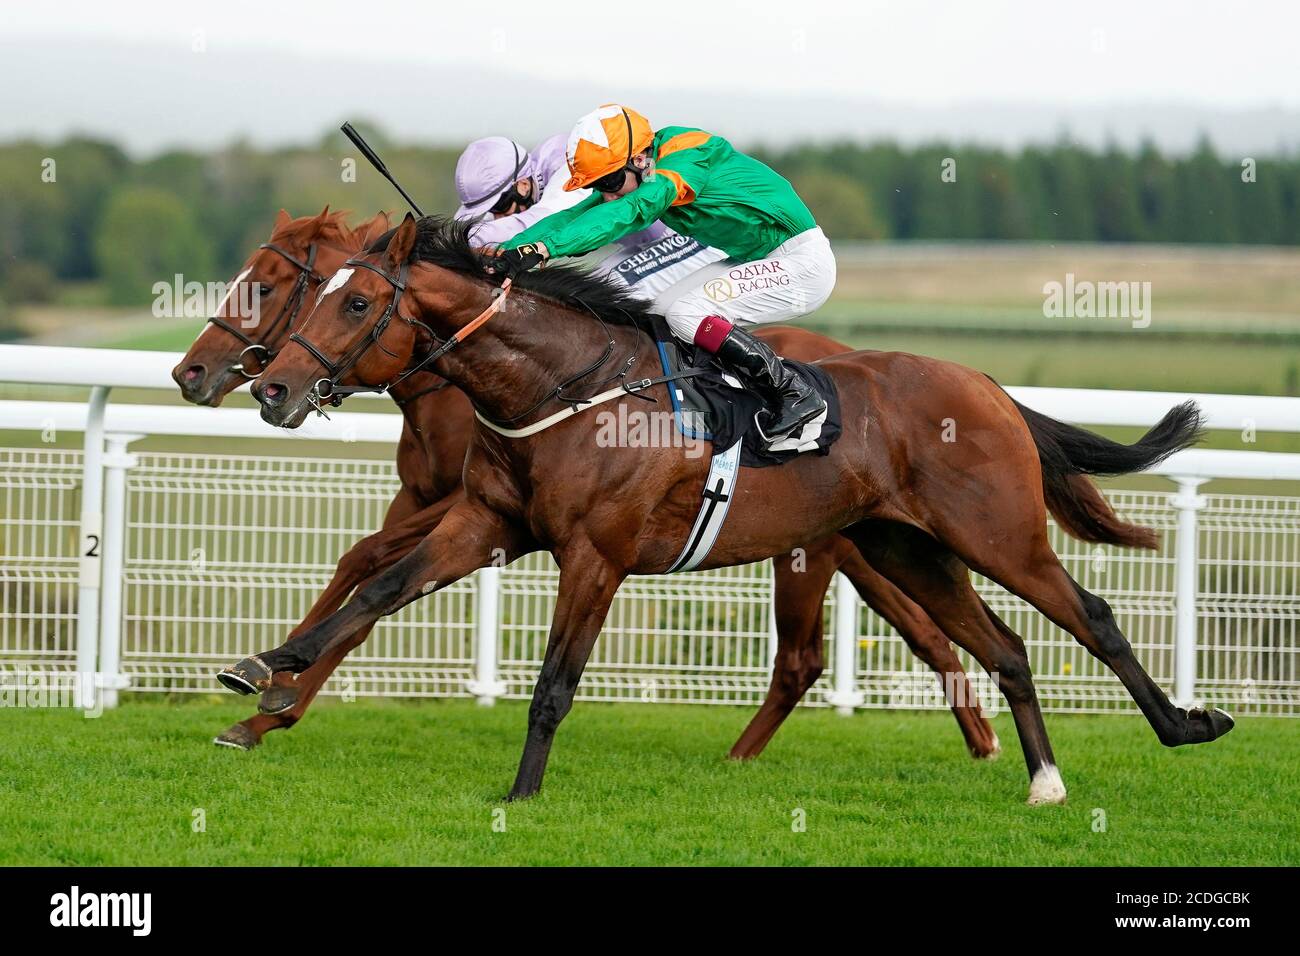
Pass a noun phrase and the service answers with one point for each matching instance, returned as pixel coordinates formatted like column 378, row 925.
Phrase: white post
column 1188, row 502
column 91, row 547
column 485, row 685
column 773, row 637
column 845, row 695
column 116, row 463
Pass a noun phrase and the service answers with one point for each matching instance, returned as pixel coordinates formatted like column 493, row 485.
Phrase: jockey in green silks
column 779, row 264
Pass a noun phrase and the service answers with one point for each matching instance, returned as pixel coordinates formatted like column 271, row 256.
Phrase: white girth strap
column 550, row 420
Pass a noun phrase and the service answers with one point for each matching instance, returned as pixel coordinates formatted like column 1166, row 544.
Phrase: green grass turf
column 417, row 783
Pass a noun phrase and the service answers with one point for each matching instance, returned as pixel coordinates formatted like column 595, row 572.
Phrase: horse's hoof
column 1218, row 722
column 1047, row 788
column 249, row 676
column 993, row 753
column 277, row 699
column 239, row 737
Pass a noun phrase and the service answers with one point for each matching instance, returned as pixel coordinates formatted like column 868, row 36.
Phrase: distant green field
column 1081, row 361
column 389, row 783
column 175, row 336
column 1222, row 319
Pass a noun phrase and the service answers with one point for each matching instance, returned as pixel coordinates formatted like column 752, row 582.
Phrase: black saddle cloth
column 707, row 407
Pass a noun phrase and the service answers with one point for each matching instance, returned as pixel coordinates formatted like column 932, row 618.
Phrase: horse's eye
column 357, row 305
column 264, row 290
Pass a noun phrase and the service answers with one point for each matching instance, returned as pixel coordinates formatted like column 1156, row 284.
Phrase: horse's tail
column 1069, row 455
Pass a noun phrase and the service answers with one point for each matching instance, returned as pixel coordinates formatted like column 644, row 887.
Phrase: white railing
column 143, row 518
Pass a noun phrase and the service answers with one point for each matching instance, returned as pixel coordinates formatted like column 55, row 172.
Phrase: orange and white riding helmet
column 603, row 142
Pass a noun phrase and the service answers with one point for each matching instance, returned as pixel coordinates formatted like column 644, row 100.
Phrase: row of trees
column 1060, row 192
column 83, row 209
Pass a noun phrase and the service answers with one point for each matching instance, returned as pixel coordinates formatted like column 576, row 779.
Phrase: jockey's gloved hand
column 511, row 262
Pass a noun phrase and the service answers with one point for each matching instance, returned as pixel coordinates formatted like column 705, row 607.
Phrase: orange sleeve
column 680, row 155
column 683, row 141
column 685, row 194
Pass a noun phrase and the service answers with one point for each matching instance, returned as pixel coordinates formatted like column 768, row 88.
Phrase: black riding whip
column 378, row 163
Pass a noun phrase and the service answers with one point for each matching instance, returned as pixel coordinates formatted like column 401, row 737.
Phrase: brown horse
column 437, row 424
column 285, row 271
column 232, row 349
column 923, row 510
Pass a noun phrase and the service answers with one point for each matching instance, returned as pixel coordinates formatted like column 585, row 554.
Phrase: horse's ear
column 373, row 228
column 282, row 219
column 400, row 246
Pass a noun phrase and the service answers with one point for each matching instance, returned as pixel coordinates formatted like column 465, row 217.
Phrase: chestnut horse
column 285, row 272
column 437, row 424
column 922, row 510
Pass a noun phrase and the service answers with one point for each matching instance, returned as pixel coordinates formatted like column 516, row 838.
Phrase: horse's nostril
column 192, row 374
column 273, row 393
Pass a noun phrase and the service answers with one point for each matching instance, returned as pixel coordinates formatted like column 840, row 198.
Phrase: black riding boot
column 791, row 400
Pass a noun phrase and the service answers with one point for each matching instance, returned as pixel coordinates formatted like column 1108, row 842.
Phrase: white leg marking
column 1046, row 787
column 996, row 752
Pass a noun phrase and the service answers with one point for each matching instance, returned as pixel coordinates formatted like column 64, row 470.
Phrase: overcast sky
column 1216, row 56
column 1219, row 53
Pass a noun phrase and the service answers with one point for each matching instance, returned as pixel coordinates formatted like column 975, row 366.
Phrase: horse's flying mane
column 445, row 243
column 330, row 228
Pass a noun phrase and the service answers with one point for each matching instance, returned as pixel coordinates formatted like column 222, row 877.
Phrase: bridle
column 289, row 312
column 328, row 389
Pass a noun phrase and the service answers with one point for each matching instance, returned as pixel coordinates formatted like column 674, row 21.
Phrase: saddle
column 710, row 405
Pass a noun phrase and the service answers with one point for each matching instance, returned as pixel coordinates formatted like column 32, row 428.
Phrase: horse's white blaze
column 1046, row 787
column 230, row 289
column 335, row 283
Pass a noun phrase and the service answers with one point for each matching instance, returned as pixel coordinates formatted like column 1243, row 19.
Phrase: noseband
column 292, row 306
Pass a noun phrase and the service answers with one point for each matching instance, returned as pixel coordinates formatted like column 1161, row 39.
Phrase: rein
column 292, row 306
column 436, row 387
column 327, row 389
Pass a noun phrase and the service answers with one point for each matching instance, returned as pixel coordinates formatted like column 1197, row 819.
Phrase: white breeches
column 794, row 279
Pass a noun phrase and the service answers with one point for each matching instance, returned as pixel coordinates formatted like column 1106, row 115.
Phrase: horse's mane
column 330, row 228
column 445, row 242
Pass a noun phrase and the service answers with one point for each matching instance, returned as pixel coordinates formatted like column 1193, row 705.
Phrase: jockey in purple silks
column 505, row 189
